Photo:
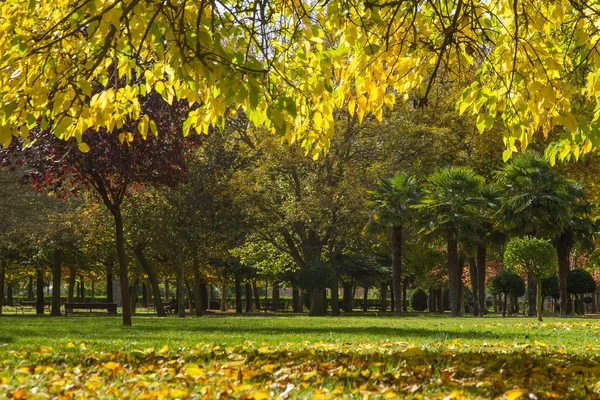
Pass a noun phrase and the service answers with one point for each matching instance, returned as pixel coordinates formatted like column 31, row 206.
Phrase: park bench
column 111, row 308
column 277, row 306
column 30, row 304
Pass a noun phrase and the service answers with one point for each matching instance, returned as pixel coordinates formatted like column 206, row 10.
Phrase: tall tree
column 392, row 201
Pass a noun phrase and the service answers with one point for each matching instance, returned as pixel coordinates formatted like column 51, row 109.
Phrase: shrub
column 550, row 287
column 507, row 284
column 418, row 300
column 580, row 282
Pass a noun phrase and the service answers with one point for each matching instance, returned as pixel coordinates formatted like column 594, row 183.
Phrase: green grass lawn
column 298, row 356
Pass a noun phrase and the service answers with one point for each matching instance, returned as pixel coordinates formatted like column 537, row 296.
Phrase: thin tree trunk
column 123, row 267
column 167, row 294
column 248, row 288
column 481, row 275
column 453, row 273
column 180, row 280
column 392, row 300
column 203, row 296
column 335, row 295
column 9, row 295
column 30, row 296
column 56, row 280
column 431, row 301
column 504, row 304
column 188, row 288
column 440, row 302
column 82, row 281
column 532, row 295
column 134, row 295
column 366, row 299
column 238, row 295
column 198, row 283
column 404, row 296
column 594, row 304
column 539, row 298
column 473, row 271
column 275, row 296
column 256, row 296
column 39, row 304
column 2, row 283
column 563, row 249
column 383, row 295
column 223, row 297
column 149, row 270
column 144, row 295
column 397, row 266
column 109, row 282
column 296, row 304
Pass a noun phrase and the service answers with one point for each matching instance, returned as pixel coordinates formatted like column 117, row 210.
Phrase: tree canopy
column 76, row 65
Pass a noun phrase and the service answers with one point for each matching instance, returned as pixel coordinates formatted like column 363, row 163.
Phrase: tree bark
column 383, row 295
column 504, row 304
column 335, row 294
column 440, row 302
column 248, row 288
column 531, row 296
column 365, row 299
column 223, row 297
column 82, row 283
column 453, row 272
column 397, row 266
column 144, row 295
column 56, row 280
column 198, row 284
column 30, row 296
column 347, row 299
column 188, row 288
column 318, row 307
column 431, row 301
column 481, row 275
column 180, row 280
column 404, row 296
column 275, row 296
column 39, row 303
column 167, row 291
column 238, row 295
column 539, row 298
column 256, row 296
column 563, row 249
column 123, row 267
column 473, row 271
column 296, row 302
column 110, row 297
column 134, row 295
column 9, row 295
column 149, row 270
column 2, row 283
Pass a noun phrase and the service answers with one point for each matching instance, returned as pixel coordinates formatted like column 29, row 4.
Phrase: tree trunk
column 594, row 304
column 39, row 304
column 366, row 299
column 473, row 271
column 563, row 249
column 347, row 299
column 335, row 291
column 134, row 295
column 238, row 295
column 481, row 275
column 392, row 299
column 223, row 297
column 203, row 296
column 431, row 301
column 318, row 307
column 256, row 296
column 180, row 280
column 248, row 288
column 383, row 295
column 198, row 284
column 190, row 296
column 453, row 273
column 296, row 303
column 532, row 295
column 144, row 295
column 149, row 270
column 9, row 295
column 56, row 280
column 539, row 298
column 275, row 296
column 30, row 296
column 82, row 281
column 404, row 297
column 397, row 266
column 167, row 294
column 440, row 302
column 2, row 283
column 504, row 304
column 110, row 297
column 123, row 267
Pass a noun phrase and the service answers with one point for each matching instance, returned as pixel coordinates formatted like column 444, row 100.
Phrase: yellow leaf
column 194, row 370
column 163, row 349
column 413, row 352
column 540, row 344
column 111, row 365
column 514, row 394
column 269, row 367
column 70, row 345
column 84, row 148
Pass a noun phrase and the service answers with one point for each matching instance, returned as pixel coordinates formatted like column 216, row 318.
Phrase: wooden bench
column 31, row 304
column 111, row 308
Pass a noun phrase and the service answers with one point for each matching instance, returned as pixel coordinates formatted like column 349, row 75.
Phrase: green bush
column 418, row 300
column 580, row 282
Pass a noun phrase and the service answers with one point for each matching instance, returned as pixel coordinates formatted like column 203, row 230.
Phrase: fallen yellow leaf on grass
column 110, row 365
column 514, row 394
column 540, row 344
column 164, row 349
column 194, row 370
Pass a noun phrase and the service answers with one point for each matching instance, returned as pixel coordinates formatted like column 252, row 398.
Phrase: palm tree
column 538, row 200
column 450, row 206
column 391, row 202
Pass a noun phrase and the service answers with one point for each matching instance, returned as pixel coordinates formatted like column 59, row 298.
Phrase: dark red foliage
column 110, row 167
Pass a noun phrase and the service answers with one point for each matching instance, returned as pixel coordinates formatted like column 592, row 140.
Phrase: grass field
column 261, row 356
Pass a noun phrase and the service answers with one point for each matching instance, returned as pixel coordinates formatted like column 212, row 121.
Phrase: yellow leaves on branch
column 75, row 68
